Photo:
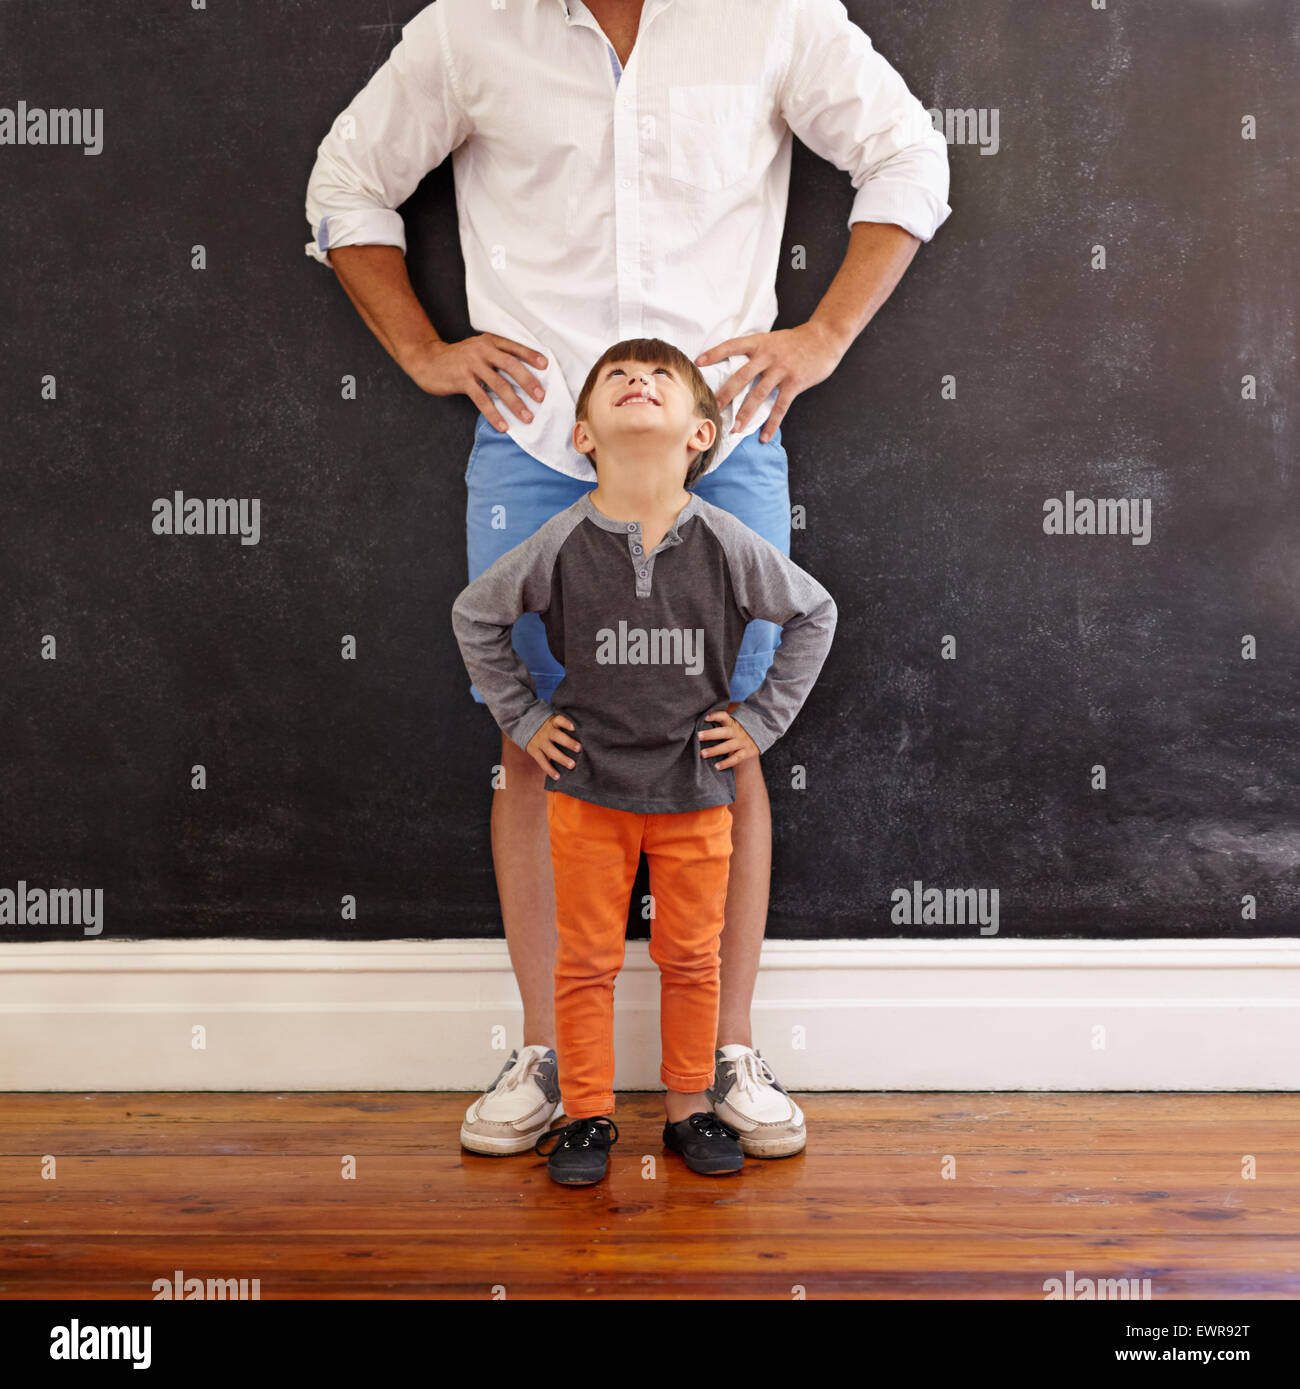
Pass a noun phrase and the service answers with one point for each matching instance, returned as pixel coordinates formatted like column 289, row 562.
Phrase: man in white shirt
column 622, row 172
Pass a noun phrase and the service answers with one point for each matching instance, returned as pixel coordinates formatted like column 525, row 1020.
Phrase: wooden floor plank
column 1072, row 1106
column 248, row 1185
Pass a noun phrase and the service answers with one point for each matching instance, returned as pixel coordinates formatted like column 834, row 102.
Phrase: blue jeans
column 753, row 484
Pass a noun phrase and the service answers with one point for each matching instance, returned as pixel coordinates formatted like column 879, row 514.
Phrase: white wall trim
column 875, row 1015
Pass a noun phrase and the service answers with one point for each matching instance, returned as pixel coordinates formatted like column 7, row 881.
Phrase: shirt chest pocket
column 712, row 130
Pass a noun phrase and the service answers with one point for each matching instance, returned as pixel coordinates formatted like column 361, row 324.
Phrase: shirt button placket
column 627, row 207
column 638, row 562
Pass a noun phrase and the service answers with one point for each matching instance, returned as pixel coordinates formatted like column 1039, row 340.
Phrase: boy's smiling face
column 639, row 404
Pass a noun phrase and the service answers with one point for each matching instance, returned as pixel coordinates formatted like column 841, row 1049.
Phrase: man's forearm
column 375, row 279
column 877, row 255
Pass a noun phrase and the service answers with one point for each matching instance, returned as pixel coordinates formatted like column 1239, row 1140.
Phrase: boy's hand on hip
column 548, row 742
column 470, row 366
column 729, row 740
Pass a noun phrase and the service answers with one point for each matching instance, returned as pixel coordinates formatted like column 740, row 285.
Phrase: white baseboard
column 828, row 1015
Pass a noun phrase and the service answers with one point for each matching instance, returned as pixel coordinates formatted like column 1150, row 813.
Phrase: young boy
column 645, row 591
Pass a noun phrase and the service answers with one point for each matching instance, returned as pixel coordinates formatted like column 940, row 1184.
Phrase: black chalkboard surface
column 1108, row 317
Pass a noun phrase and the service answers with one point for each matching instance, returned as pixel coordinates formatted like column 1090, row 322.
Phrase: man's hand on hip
column 470, row 366
column 788, row 360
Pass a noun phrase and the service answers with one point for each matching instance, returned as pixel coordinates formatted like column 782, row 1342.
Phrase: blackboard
column 968, row 768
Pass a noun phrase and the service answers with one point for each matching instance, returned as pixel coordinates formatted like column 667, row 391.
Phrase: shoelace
column 751, row 1072
column 519, row 1072
column 709, row 1124
column 601, row 1131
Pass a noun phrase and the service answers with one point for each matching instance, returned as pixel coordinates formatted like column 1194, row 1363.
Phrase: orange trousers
column 595, row 852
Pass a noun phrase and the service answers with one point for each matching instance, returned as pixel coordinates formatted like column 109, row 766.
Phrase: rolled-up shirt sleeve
column 403, row 122
column 848, row 104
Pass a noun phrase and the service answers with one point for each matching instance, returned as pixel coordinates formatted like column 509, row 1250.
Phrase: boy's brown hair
column 657, row 352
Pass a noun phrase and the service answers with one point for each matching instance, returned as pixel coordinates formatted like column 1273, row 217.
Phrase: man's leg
column 504, row 484
column 521, row 855
column 752, row 484
column 747, row 897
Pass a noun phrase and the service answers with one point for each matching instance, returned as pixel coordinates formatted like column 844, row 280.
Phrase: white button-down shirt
column 597, row 203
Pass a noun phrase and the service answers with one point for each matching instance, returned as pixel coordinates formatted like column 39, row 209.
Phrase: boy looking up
column 645, row 591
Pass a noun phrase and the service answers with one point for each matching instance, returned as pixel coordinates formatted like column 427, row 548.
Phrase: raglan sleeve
column 771, row 587
column 482, row 618
column 404, row 122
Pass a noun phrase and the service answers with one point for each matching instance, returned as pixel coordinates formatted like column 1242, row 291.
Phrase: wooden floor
column 250, row 1186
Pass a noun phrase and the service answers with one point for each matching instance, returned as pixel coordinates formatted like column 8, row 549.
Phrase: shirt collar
column 606, row 524
column 568, row 10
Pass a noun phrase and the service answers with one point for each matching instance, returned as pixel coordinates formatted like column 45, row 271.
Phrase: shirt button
column 643, row 573
column 631, row 525
column 636, row 549
column 627, row 183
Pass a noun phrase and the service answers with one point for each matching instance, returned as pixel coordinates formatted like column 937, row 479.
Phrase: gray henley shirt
column 648, row 644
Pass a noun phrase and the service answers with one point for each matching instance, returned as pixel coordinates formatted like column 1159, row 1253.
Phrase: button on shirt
column 648, row 644
column 598, row 203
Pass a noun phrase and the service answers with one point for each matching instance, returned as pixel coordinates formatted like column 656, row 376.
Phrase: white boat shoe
column 746, row 1095
column 517, row 1108
column 524, row 1100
